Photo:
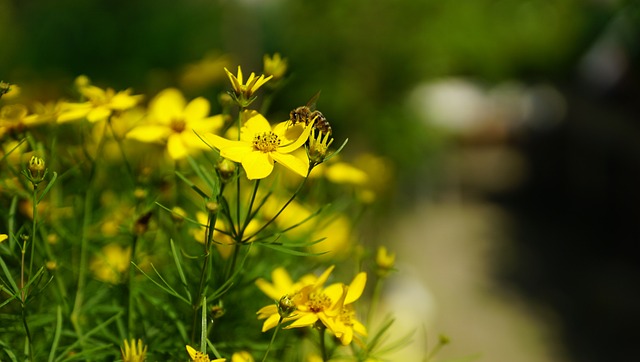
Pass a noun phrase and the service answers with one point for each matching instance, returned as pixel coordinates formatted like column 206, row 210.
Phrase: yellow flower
column 197, row 356
column 242, row 356
column 244, row 91
column 275, row 66
column 384, row 259
column 203, row 73
column 175, row 122
column 133, row 352
column 283, row 287
column 260, row 145
column 112, row 263
column 332, row 306
column 3, row 237
column 15, row 118
column 100, row 105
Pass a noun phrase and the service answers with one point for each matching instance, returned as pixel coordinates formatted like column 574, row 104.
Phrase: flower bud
column 36, row 171
column 226, row 169
column 286, row 306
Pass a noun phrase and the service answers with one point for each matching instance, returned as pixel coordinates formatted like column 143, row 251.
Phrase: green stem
column 205, row 272
column 323, row 345
column 33, row 226
column 130, row 292
column 273, row 338
column 29, row 346
column 264, row 226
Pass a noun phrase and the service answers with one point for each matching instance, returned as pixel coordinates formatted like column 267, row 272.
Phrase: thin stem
column 273, row 338
column 323, row 345
column 29, row 346
column 33, row 225
column 304, row 181
column 205, row 272
column 131, row 295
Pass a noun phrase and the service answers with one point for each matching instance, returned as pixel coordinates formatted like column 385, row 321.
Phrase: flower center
column 347, row 315
column 178, row 125
column 318, row 302
column 266, row 142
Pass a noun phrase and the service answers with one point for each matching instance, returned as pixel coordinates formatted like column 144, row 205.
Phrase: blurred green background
column 577, row 58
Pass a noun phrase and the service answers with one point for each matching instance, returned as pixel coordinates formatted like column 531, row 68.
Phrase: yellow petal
column 256, row 124
column 282, row 281
column 323, row 278
column 305, row 320
column 74, row 113
column 236, row 153
column 266, row 311
column 196, row 110
column 150, row 133
column 288, row 148
column 167, row 105
column 123, row 100
column 269, row 289
column 99, row 113
column 293, row 163
column 356, row 288
column 270, row 322
column 222, row 143
column 256, row 164
column 176, row 147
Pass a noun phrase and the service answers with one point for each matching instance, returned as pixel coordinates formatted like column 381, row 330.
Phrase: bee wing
column 312, row 102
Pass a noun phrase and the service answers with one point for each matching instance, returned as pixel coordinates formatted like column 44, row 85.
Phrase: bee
column 308, row 112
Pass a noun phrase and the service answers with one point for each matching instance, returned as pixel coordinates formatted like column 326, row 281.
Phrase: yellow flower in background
column 242, row 356
column 260, row 145
column 133, row 352
column 244, row 91
column 100, row 103
column 174, row 121
column 111, row 265
column 275, row 66
column 197, row 356
column 281, row 288
column 384, row 259
column 3, row 237
column 222, row 239
column 205, row 72
column 15, row 118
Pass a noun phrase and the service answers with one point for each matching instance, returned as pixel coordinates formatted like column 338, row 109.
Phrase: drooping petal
column 270, row 322
column 271, row 290
column 176, row 148
column 256, row 164
column 305, row 320
column 293, row 163
column 359, row 327
column 288, row 148
column 196, row 110
column 356, row 288
column 149, row 133
column 266, row 311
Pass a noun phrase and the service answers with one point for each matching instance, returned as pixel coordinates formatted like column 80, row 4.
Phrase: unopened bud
column 226, row 169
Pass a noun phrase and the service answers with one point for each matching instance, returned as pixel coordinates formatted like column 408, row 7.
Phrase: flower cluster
column 308, row 301
column 159, row 218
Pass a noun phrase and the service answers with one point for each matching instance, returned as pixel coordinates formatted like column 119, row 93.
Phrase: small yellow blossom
column 384, row 259
column 275, row 66
column 319, row 146
column 15, row 119
column 242, row 356
column 112, row 263
column 197, row 356
column 243, row 92
column 260, row 145
column 133, row 352
column 204, row 73
column 100, row 103
column 177, row 123
column 3, row 237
